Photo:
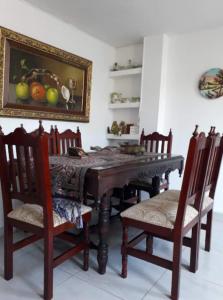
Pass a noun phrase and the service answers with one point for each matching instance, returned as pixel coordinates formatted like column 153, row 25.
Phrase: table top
column 108, row 159
column 97, row 168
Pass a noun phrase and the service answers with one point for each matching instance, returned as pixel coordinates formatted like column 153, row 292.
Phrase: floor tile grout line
column 59, row 284
column 101, row 289
column 68, row 272
column 217, row 284
column 148, row 291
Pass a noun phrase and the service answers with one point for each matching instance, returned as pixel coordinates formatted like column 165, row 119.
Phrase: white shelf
column 111, row 136
column 126, row 72
column 123, row 105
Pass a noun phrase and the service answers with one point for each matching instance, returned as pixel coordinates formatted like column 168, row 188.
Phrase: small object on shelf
column 135, row 99
column 129, row 66
column 115, row 128
column 123, row 100
column 115, row 67
column 134, row 129
column 108, row 130
column 137, row 66
column 115, row 97
column 122, row 127
column 128, row 127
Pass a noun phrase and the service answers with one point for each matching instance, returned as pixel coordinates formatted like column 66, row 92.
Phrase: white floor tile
column 75, row 288
column 190, row 288
column 145, row 281
column 141, row 276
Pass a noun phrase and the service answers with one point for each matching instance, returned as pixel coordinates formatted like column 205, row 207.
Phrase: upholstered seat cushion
column 173, row 195
column 33, row 214
column 158, row 211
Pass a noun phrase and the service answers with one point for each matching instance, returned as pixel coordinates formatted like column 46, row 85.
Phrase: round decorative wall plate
column 211, row 83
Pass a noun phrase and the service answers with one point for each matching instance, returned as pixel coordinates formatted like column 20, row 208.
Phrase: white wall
column 189, row 56
column 23, row 18
column 153, row 83
column 172, row 66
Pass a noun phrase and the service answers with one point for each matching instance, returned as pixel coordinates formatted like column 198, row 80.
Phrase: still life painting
column 43, row 81
column 211, row 83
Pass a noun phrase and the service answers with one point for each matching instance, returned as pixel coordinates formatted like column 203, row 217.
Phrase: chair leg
column 124, row 252
column 8, row 251
column 139, row 196
column 177, row 250
column 48, row 267
column 86, row 250
column 149, row 244
column 194, row 253
column 208, row 231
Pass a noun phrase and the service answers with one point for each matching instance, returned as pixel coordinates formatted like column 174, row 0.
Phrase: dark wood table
column 100, row 182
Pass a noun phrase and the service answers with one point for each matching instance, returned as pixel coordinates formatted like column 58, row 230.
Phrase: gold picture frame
column 41, row 81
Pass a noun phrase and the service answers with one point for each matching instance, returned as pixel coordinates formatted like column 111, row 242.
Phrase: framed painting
column 41, row 81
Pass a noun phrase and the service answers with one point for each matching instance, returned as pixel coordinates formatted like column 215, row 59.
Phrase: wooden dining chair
column 1, row 132
column 25, row 176
column 67, row 139
column 171, row 220
column 154, row 143
column 210, row 187
column 131, row 194
column 52, row 147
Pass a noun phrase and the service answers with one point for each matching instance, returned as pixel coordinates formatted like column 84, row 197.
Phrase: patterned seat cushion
column 158, row 211
column 173, row 195
column 33, row 214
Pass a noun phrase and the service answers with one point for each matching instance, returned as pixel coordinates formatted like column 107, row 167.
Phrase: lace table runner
column 68, row 175
column 68, row 172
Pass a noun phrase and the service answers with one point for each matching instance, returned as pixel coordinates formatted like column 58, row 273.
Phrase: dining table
column 99, row 173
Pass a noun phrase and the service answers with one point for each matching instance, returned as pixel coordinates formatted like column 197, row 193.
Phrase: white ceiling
column 124, row 22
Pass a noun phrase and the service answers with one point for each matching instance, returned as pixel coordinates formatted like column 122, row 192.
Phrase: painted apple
column 52, row 96
column 37, row 91
column 22, row 90
column 33, row 84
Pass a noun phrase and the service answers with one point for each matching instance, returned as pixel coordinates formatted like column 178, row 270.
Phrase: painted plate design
column 211, row 83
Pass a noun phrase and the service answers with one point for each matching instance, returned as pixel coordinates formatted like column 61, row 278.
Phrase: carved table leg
column 103, row 233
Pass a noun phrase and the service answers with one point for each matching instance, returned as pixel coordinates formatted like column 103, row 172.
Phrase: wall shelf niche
column 124, row 105
column 126, row 72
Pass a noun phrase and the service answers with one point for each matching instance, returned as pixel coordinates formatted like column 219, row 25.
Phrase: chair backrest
column 25, row 171
column 1, row 132
column 195, row 174
column 214, row 164
column 67, row 139
column 156, row 142
column 52, row 147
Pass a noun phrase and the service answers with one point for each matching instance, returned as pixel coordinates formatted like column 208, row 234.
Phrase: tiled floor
column 145, row 281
